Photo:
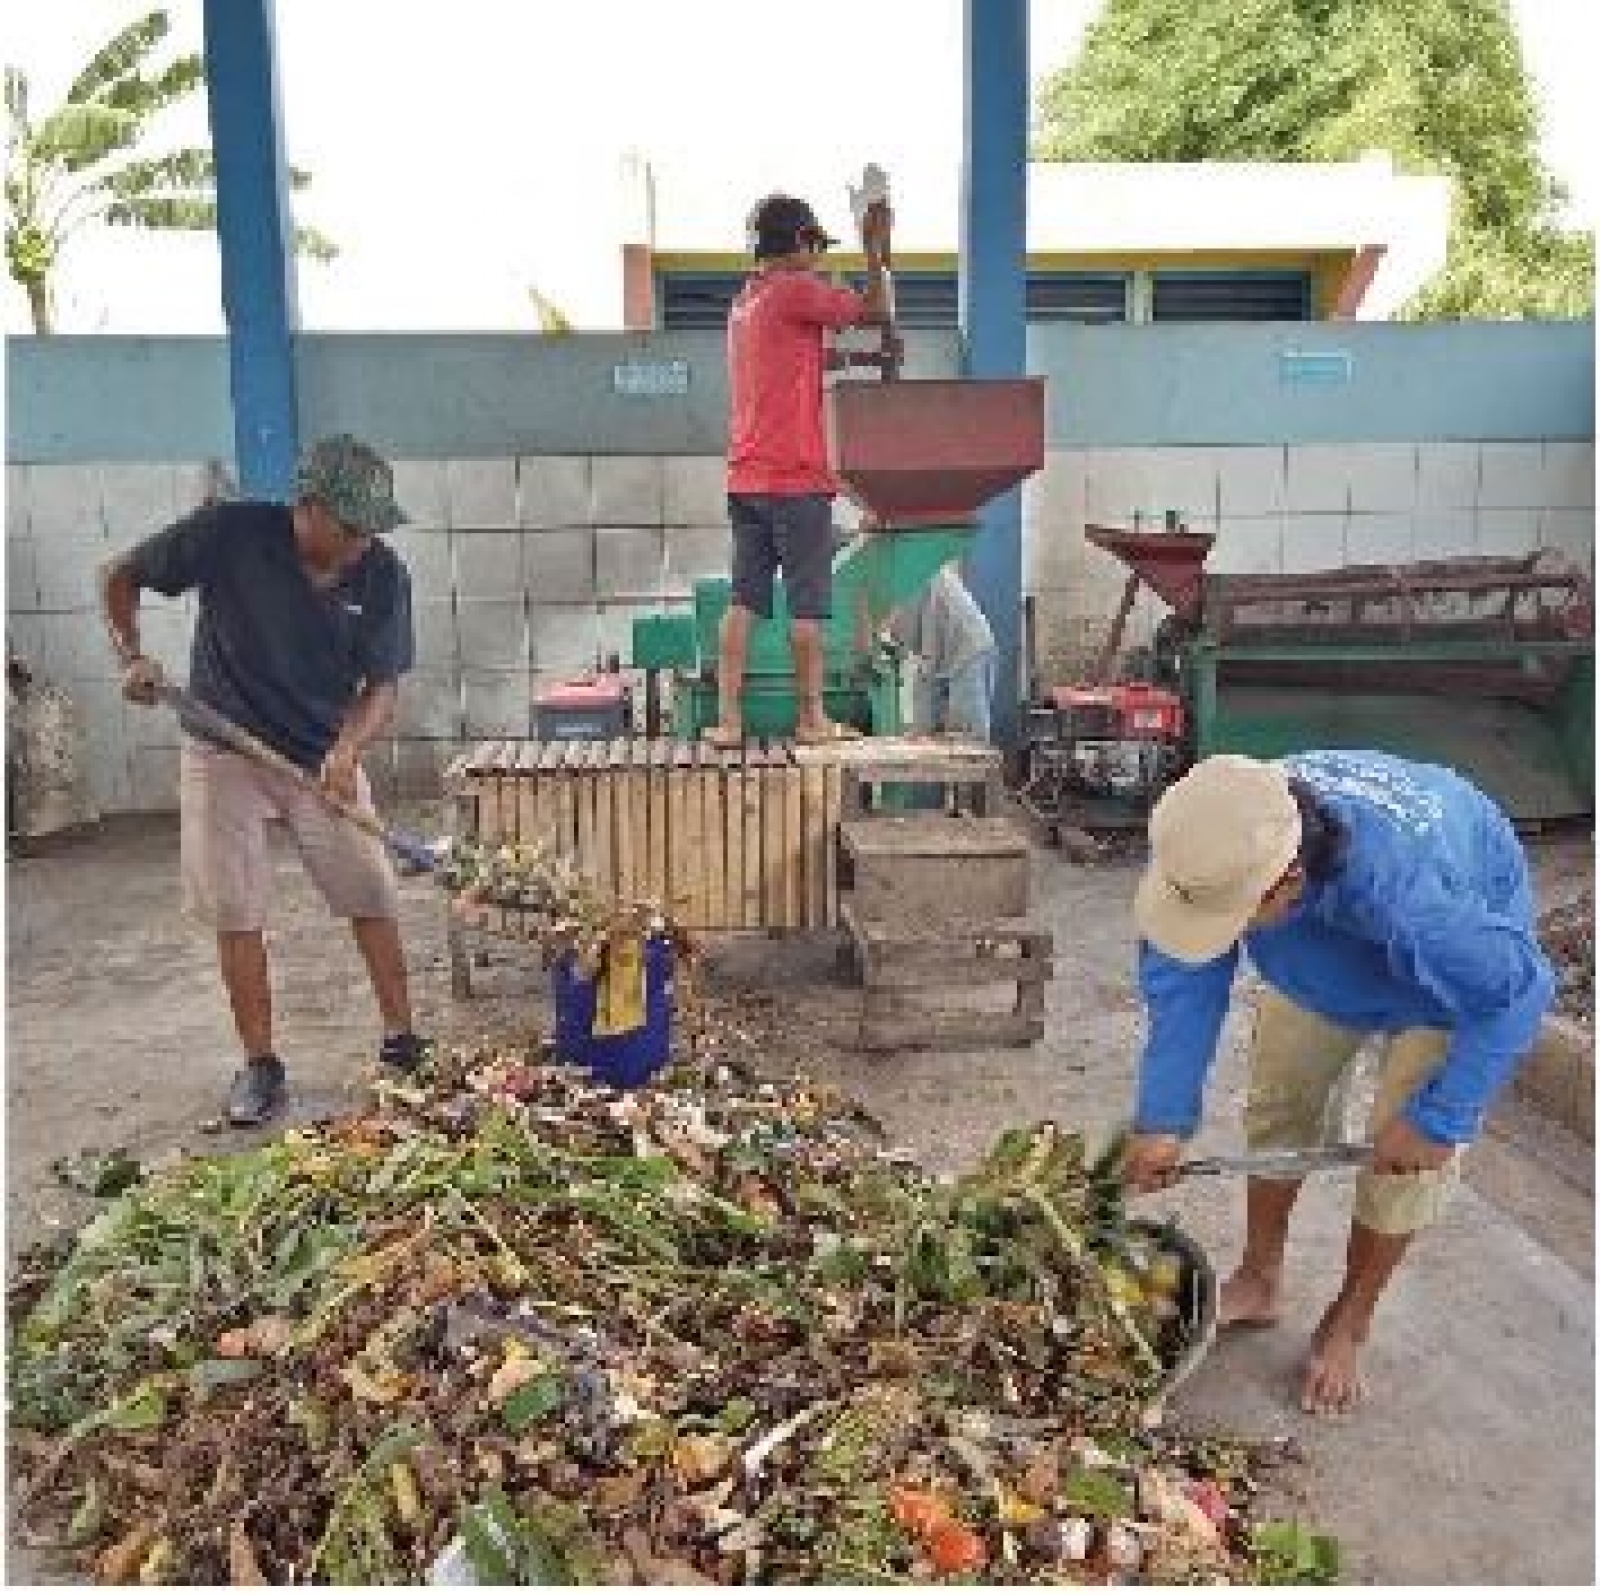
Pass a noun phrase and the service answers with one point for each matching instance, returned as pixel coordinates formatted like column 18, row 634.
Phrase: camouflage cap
column 352, row 481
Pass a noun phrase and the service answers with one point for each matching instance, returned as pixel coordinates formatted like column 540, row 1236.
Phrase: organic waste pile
column 1567, row 934
column 508, row 1326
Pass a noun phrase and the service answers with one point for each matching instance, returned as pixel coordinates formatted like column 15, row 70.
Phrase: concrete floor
column 1474, row 1460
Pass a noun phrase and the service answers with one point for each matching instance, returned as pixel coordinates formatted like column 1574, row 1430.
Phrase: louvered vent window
column 923, row 299
column 1231, row 296
column 1077, row 296
column 697, row 299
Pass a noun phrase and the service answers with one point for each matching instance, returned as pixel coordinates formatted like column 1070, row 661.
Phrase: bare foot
column 813, row 733
column 725, row 738
column 1331, row 1384
column 1247, row 1300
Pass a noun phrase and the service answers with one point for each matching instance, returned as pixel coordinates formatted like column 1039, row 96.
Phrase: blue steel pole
column 255, row 237
column 994, row 206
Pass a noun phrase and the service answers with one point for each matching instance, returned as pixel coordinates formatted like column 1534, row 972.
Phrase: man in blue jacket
column 1375, row 898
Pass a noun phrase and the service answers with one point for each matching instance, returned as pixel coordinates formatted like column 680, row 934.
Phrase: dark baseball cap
column 781, row 224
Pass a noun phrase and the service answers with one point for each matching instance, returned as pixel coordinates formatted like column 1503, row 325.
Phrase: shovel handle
column 240, row 741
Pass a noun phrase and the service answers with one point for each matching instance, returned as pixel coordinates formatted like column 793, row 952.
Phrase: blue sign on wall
column 1315, row 365
column 650, row 379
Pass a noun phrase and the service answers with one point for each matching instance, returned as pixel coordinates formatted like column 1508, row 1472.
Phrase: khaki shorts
column 226, row 801
column 1297, row 1061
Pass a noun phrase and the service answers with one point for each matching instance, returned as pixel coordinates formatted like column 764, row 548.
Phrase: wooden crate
column 741, row 840
column 964, row 771
column 931, row 872
column 901, row 970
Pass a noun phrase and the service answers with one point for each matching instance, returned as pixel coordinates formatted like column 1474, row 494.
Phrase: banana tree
column 80, row 165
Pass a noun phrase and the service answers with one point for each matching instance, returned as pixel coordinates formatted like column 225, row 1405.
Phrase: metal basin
column 1197, row 1305
column 929, row 452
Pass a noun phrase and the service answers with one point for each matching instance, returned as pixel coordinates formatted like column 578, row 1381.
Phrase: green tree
column 81, row 164
column 1439, row 84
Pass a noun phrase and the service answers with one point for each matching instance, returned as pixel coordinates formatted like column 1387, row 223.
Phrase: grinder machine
column 1485, row 664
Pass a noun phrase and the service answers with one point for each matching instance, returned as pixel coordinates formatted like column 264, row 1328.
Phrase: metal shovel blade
column 1281, row 1165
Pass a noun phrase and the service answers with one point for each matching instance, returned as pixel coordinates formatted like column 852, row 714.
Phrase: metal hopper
column 930, row 452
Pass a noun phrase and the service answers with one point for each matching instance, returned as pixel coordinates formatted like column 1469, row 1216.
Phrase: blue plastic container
column 633, row 1058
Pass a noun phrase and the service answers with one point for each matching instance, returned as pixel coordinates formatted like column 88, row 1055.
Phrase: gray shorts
column 791, row 533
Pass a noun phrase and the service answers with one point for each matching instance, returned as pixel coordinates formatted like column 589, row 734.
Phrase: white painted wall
column 1293, row 508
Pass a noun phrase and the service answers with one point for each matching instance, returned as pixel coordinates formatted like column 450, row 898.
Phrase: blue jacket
column 1427, row 921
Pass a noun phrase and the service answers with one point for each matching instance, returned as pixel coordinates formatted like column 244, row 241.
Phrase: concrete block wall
column 62, row 523
column 523, row 571
column 551, row 503
column 1290, row 508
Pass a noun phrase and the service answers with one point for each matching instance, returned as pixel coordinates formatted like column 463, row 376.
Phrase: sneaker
column 259, row 1092
column 406, row 1052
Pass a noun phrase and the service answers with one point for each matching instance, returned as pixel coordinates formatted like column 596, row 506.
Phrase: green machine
column 919, row 456
column 1485, row 664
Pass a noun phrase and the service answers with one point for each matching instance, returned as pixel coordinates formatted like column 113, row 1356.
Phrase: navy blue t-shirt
column 272, row 651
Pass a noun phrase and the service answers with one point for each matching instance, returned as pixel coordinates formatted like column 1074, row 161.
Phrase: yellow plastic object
column 619, row 995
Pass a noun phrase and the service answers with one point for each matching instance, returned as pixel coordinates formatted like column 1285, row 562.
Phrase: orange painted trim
column 1356, row 281
column 638, row 288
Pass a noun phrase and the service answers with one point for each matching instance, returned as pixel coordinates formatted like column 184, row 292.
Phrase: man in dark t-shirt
column 304, row 630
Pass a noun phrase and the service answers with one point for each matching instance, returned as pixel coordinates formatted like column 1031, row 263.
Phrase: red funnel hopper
column 1171, row 564
column 929, row 453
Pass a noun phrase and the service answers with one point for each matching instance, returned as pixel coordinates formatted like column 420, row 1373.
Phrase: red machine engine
column 592, row 707
column 1123, row 740
column 1101, row 755
column 1129, row 711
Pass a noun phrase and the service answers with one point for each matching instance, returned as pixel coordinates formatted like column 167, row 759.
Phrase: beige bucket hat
column 1220, row 840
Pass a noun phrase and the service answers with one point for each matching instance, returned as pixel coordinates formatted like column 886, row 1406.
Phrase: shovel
column 1280, row 1165
column 405, row 845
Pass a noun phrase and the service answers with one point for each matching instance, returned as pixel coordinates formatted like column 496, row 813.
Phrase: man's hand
column 876, row 221
column 1399, row 1148
column 340, row 772
column 142, row 679
column 1148, row 1163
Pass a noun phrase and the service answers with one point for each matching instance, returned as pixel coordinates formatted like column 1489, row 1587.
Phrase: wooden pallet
column 740, row 840
column 899, row 968
column 726, row 841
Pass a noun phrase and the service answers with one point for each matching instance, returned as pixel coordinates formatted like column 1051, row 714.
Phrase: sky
column 457, row 165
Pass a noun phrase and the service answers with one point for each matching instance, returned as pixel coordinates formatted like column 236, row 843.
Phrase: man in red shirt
column 780, row 490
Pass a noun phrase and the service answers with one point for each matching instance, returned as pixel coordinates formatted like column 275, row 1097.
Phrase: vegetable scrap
column 555, row 904
column 1567, row 934
column 511, row 1326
